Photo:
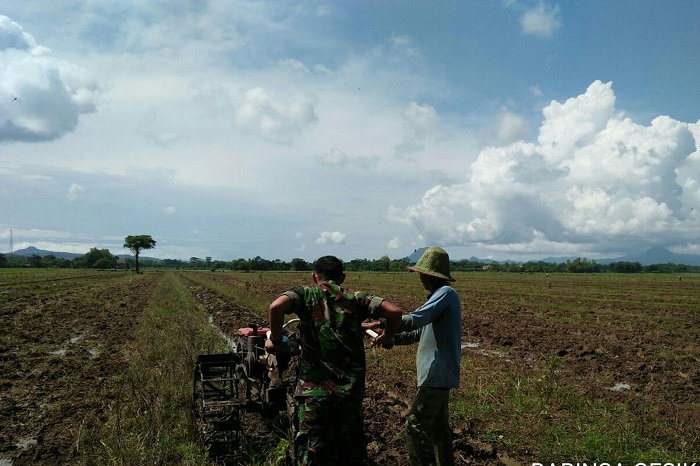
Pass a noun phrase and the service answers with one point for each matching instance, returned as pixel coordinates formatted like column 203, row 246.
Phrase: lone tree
column 138, row 243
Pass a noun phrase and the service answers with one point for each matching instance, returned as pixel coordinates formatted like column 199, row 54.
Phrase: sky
column 235, row 129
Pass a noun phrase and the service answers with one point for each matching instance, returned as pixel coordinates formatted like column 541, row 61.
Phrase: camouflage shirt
column 332, row 346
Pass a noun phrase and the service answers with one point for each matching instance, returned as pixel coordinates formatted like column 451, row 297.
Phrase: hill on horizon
column 31, row 250
column 659, row 255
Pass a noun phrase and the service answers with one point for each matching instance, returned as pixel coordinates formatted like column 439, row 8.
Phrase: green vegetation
column 103, row 259
column 138, row 243
column 149, row 421
column 537, row 385
column 535, row 405
column 95, row 259
column 238, row 290
column 536, row 415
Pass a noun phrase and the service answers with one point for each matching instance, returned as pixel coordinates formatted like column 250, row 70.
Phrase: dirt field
column 606, row 342
column 61, row 343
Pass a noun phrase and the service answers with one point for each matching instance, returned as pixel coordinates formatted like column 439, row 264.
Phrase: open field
column 558, row 368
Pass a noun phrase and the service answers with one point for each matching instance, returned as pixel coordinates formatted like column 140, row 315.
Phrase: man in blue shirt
column 437, row 327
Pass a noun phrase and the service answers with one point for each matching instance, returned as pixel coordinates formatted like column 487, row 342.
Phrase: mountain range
column 31, row 251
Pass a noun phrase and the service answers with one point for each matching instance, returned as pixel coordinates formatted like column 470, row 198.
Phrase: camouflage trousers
column 428, row 429
column 330, row 431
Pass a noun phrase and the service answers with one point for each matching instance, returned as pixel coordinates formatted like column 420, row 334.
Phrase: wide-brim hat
column 435, row 262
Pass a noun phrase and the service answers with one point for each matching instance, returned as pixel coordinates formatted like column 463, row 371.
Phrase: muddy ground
column 385, row 404
column 621, row 357
column 61, row 345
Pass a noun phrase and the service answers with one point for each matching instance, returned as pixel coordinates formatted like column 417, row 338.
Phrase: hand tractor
column 228, row 387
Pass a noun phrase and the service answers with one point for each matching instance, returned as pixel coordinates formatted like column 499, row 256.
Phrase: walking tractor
column 236, row 387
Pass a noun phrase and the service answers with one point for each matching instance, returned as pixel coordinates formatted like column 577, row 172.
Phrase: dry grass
column 516, row 393
column 149, row 421
column 525, row 399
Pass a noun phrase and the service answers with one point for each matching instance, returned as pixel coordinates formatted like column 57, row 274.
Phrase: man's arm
column 401, row 337
column 408, row 338
column 431, row 310
column 276, row 312
column 392, row 317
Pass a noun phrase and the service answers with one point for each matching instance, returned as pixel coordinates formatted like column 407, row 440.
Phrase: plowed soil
column 61, row 344
column 621, row 350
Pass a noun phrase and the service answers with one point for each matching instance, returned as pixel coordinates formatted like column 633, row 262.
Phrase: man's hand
column 380, row 337
column 375, row 325
column 383, row 340
column 271, row 347
column 278, row 309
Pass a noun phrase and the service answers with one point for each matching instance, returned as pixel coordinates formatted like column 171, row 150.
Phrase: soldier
column 332, row 366
column 437, row 327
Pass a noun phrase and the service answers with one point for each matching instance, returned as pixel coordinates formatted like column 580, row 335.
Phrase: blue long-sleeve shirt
column 437, row 327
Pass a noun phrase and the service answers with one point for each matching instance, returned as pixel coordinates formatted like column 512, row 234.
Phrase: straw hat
column 435, row 262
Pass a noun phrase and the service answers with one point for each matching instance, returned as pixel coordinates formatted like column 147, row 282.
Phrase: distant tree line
column 578, row 265
column 102, row 259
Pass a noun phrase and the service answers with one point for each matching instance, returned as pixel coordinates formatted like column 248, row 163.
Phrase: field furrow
column 59, row 351
column 555, row 368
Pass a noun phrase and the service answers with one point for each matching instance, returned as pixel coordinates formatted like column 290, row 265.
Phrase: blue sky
column 497, row 129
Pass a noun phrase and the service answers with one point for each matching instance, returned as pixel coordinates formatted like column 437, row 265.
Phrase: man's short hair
column 329, row 267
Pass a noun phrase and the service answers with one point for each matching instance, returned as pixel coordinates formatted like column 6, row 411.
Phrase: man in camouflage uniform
column 437, row 328
column 332, row 366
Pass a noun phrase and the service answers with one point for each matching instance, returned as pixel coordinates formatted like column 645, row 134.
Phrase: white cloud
column 593, row 177
column 337, row 158
column 511, row 127
column 394, row 243
column 275, row 120
column 75, row 248
column 34, row 177
column 75, row 192
column 420, row 123
column 541, row 20
column 41, row 97
column 538, row 244
column 169, row 210
column 536, row 91
column 12, row 36
column 576, row 122
column 443, row 178
column 154, row 129
column 43, row 235
column 334, row 237
column 49, row 240
column 251, row 105
column 405, row 45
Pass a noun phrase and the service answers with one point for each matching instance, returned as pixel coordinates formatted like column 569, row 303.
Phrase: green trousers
column 428, row 429
column 330, row 431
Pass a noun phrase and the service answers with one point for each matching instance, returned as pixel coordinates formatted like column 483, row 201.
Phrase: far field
column 556, row 368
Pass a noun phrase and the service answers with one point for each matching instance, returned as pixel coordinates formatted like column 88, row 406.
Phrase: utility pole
column 12, row 244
